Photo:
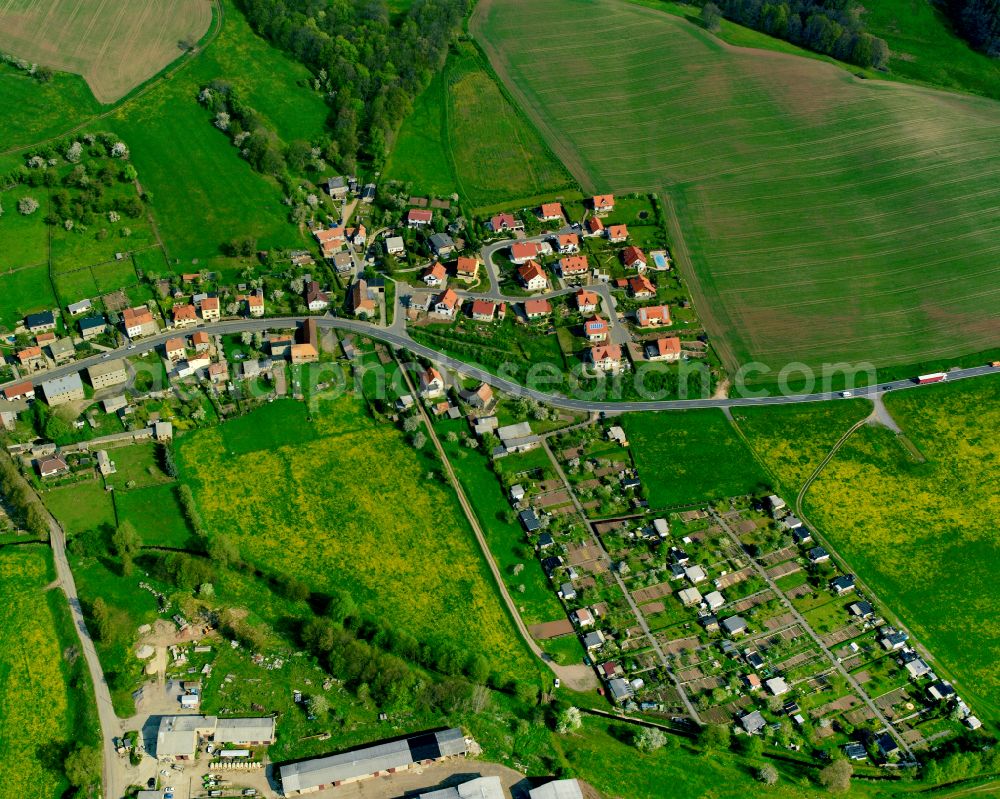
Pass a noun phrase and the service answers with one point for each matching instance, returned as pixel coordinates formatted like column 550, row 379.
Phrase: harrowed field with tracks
column 823, row 217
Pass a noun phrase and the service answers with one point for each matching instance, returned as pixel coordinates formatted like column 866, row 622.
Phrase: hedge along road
column 403, row 341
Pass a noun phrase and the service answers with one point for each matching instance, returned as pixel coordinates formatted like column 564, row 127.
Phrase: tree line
column 831, row 27
column 978, row 21
column 369, row 66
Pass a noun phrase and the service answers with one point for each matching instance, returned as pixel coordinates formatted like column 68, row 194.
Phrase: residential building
column 139, row 322
column 582, row 618
column 753, row 723
column 595, row 329
column 734, row 625
column 62, row 350
column 184, row 315
column 418, row 217
column 31, row 358
column 201, row 341
column 521, row 252
column 61, row 390
column 303, row 353
column 107, row 373
column 332, row 771
column 40, row 322
column 558, row 789
column 606, row 357
column 641, row 288
column 603, row 203
column 442, row 245
column 664, row 349
column 586, row 301
column 777, row 686
column 92, row 327
column 536, row 309
column 315, row 298
column 634, row 258
column 532, row 276
column 842, row 584
column 330, row 240
column 550, row 211
column 818, row 555
column 77, row 308
column 23, row 390
column 689, row 596
column 467, row 269
column 481, row 399
column 435, row 275
column 360, row 301
column 568, row 243
column 505, row 222
column 278, row 345
column 573, row 266
column 653, row 316
column 255, row 304
column 529, row 520
column 620, row 690
column 394, row 245
column 337, row 187
column 617, row 233
column 483, row 310
column 210, row 308
column 446, row 303
column 594, row 226
column 593, row 640
column 431, row 383
column 217, row 372
column 52, row 467
column 714, row 600
column 174, row 349
column 105, row 464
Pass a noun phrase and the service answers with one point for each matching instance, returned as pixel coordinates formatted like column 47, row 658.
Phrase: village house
column 603, row 203
column 593, row 640
column 210, row 309
column 357, row 236
column 431, row 383
column 40, row 322
column 360, row 301
column 394, row 245
column 641, row 288
column 536, row 309
column 184, row 315
column 523, row 251
column 595, row 329
column 330, row 240
column 582, row 618
column 303, row 353
column 586, row 301
column 467, row 269
column 435, row 275
column 446, row 304
column 689, row 596
column 483, row 310
column 343, row 262
column 568, row 243
column 481, row 399
column 664, row 349
column 653, row 316
column 606, row 357
column 52, row 467
column 418, row 218
column 617, row 233
column 734, row 625
column 174, row 349
column 573, row 267
column 634, row 258
column 818, row 555
column 594, row 226
column 442, row 245
column 62, row 350
column 139, row 322
column 31, row 358
column 107, row 373
column 505, row 222
column 23, row 390
column 77, row 308
column 842, row 584
column 279, row 344
column 255, row 304
column 532, row 277
column 550, row 212
column 336, row 187
column 217, row 373
column 315, row 298
column 42, row 339
column 61, row 390
column 92, row 327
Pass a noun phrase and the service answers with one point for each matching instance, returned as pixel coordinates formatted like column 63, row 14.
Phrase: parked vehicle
column 933, row 377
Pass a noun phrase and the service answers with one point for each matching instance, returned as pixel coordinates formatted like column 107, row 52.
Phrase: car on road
column 106, row 355
column 131, row 346
column 847, row 394
column 557, row 682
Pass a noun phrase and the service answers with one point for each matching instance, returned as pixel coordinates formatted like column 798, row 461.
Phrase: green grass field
column 38, row 709
column 354, row 509
column 35, row 111
column 81, row 506
column 156, row 515
column 23, row 291
column 923, row 535
column 22, row 238
column 824, row 218
column 465, row 135
column 686, row 457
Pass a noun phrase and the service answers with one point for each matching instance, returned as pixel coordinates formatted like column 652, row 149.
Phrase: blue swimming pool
column 660, row 259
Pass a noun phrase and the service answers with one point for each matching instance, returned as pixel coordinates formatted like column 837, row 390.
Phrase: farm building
column 559, row 789
column 477, row 788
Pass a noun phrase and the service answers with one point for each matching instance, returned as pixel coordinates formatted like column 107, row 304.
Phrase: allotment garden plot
column 824, row 218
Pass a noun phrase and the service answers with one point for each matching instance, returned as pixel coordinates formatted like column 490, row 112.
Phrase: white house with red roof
column 617, row 233
column 594, row 226
column 210, row 308
column 483, row 310
column 446, row 304
column 523, row 251
column 184, row 315
column 467, row 269
column 536, row 309
column 653, row 316
column 431, row 383
column 419, row 217
column 567, row 243
column 603, row 203
column 550, row 211
column 634, row 258
column 586, row 301
column 573, row 266
column 595, row 329
column 664, row 349
column 606, row 357
column 505, row 222
column 532, row 276
column 435, row 276
column 641, row 288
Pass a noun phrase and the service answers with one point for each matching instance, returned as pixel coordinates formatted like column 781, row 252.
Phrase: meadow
column 356, row 509
column 923, row 535
column 466, row 135
column 34, row 111
column 818, row 217
column 36, row 675
column 688, row 457
column 114, row 47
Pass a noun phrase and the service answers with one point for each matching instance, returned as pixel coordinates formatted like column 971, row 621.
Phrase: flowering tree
column 27, row 205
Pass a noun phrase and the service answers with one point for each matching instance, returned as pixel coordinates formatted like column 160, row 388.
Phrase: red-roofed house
column 446, row 303
column 550, row 211
column 431, row 383
column 255, row 304
column 201, row 341
column 31, row 358
column 653, row 316
column 174, row 349
column 467, row 269
column 50, row 467
column 573, row 266
column 595, row 329
column 330, row 240
column 664, row 349
column 532, row 277
column 606, row 357
column 217, row 372
column 436, row 275
column 617, row 233
column 502, row 222
column 20, row 391
column 303, row 353
column 536, row 309
column 418, row 217
column 640, row 287
column 634, row 258
column 185, row 315
column 210, row 308
column 568, row 243
column 595, row 227
column 523, row 251
column 603, row 203
column 483, row 310
column 138, row 322
column 361, row 303
column 586, row 301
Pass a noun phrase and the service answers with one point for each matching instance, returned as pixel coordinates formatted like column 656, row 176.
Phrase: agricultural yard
column 688, row 457
column 355, row 510
column 37, row 661
column 114, row 47
column 794, row 187
column 923, row 534
column 465, row 135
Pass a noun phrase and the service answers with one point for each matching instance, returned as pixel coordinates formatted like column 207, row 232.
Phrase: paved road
column 400, row 339
column 834, row 660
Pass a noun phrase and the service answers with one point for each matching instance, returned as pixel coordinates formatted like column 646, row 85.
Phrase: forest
column 979, row 22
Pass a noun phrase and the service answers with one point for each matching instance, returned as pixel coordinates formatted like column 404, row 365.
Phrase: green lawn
column 21, row 292
column 82, row 506
column 280, row 423
column 687, row 457
column 767, row 159
column 22, row 238
column 923, row 534
column 156, row 515
column 34, row 111
column 138, row 464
